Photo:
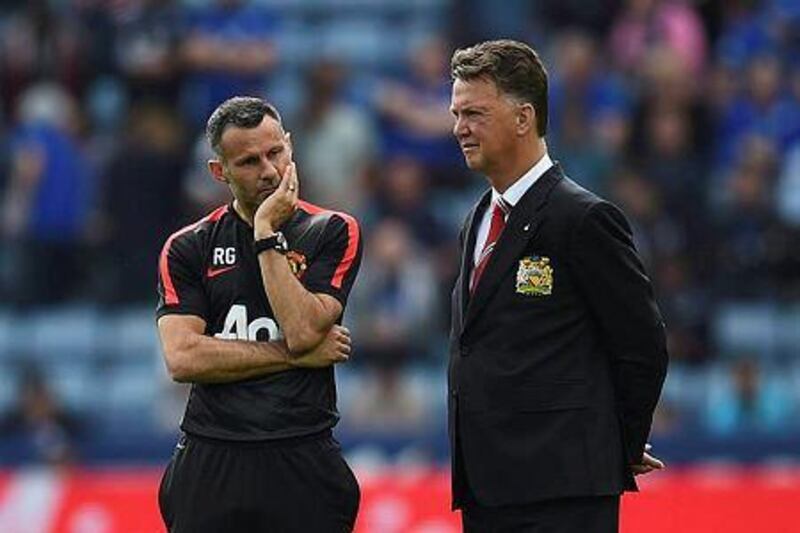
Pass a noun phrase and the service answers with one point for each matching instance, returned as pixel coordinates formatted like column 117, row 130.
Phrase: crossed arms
column 191, row 356
column 308, row 320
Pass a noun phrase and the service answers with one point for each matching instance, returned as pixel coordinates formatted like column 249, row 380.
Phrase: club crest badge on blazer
column 535, row 276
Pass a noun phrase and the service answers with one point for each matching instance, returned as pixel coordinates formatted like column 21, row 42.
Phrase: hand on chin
column 278, row 206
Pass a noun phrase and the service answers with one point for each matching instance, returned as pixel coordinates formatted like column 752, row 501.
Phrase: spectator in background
column 580, row 80
column 583, row 155
column 415, row 120
column 145, row 176
column 37, row 419
column 756, row 251
column 751, row 28
column 146, row 50
column 593, row 17
column 402, row 193
column 394, row 314
column 583, row 96
column 644, row 24
column 747, row 399
column 721, row 89
column 334, row 142
column 48, row 196
column 764, row 109
column 38, row 41
column 227, row 50
column 670, row 159
column 655, row 232
column 393, row 308
column 788, row 188
column 671, row 121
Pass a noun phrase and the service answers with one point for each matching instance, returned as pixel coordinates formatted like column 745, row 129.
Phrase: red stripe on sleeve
column 353, row 235
column 170, row 294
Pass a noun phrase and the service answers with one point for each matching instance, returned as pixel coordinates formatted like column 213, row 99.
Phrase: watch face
column 282, row 244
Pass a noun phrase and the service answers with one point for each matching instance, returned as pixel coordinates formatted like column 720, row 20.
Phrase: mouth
column 467, row 147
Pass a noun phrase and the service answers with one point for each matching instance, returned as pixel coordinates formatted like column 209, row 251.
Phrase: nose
column 268, row 169
column 459, row 128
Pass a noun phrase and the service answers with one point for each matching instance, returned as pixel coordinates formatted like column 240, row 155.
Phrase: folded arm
column 305, row 317
column 192, row 356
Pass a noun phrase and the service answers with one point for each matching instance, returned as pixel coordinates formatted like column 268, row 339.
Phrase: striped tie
column 499, row 212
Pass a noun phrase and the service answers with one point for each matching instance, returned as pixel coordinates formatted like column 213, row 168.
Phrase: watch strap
column 273, row 242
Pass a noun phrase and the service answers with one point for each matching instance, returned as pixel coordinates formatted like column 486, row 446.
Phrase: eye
column 275, row 151
column 248, row 161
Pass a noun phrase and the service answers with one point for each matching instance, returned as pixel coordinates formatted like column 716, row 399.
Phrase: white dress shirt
column 510, row 197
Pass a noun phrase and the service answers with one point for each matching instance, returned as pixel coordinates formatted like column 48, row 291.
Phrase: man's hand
column 335, row 348
column 278, row 206
column 648, row 464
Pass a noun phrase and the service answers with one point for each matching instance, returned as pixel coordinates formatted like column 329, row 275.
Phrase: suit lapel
column 521, row 227
column 471, row 224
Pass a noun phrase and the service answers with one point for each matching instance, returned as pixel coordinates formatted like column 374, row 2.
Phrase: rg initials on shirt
column 224, row 256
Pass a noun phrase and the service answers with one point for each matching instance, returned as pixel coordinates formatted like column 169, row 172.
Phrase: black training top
column 208, row 269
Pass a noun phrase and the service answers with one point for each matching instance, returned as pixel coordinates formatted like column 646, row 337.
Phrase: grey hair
column 514, row 67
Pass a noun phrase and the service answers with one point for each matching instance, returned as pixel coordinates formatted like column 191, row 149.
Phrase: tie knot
column 502, row 207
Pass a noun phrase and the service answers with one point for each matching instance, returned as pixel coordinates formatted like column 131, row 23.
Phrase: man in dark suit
column 558, row 352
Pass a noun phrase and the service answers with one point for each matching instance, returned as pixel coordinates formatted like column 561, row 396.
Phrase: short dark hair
column 241, row 112
column 514, row 67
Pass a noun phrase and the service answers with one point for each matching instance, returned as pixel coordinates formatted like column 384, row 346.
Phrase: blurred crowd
column 685, row 113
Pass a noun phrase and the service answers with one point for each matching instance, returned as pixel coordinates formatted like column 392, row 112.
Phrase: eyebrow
column 244, row 157
column 470, row 107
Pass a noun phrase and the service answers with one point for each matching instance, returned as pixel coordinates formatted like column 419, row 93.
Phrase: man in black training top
column 251, row 298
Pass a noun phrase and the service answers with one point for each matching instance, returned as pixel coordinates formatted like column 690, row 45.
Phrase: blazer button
column 465, row 351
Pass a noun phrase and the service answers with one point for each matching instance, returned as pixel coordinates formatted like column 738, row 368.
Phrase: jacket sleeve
column 620, row 297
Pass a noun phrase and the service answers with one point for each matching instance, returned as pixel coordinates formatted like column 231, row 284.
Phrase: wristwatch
column 276, row 242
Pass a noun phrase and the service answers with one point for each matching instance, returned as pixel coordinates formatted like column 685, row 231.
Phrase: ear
column 526, row 119
column 217, row 170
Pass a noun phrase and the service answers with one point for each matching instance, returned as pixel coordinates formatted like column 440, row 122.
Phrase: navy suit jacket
column 558, row 359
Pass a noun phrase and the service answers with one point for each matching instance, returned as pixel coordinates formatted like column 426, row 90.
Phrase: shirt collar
column 521, row 186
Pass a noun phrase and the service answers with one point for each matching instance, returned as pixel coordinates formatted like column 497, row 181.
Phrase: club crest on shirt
column 535, row 276
column 297, row 262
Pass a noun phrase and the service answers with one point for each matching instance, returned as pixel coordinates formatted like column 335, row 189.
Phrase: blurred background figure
column 226, row 50
column 334, row 141
column 47, row 198
column 394, row 318
column 393, row 310
column 686, row 113
column 146, row 50
column 145, row 173
column 646, row 24
column 39, row 424
column 414, row 112
column 745, row 400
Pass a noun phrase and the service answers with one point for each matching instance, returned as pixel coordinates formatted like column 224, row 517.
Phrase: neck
column 246, row 214
column 530, row 154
